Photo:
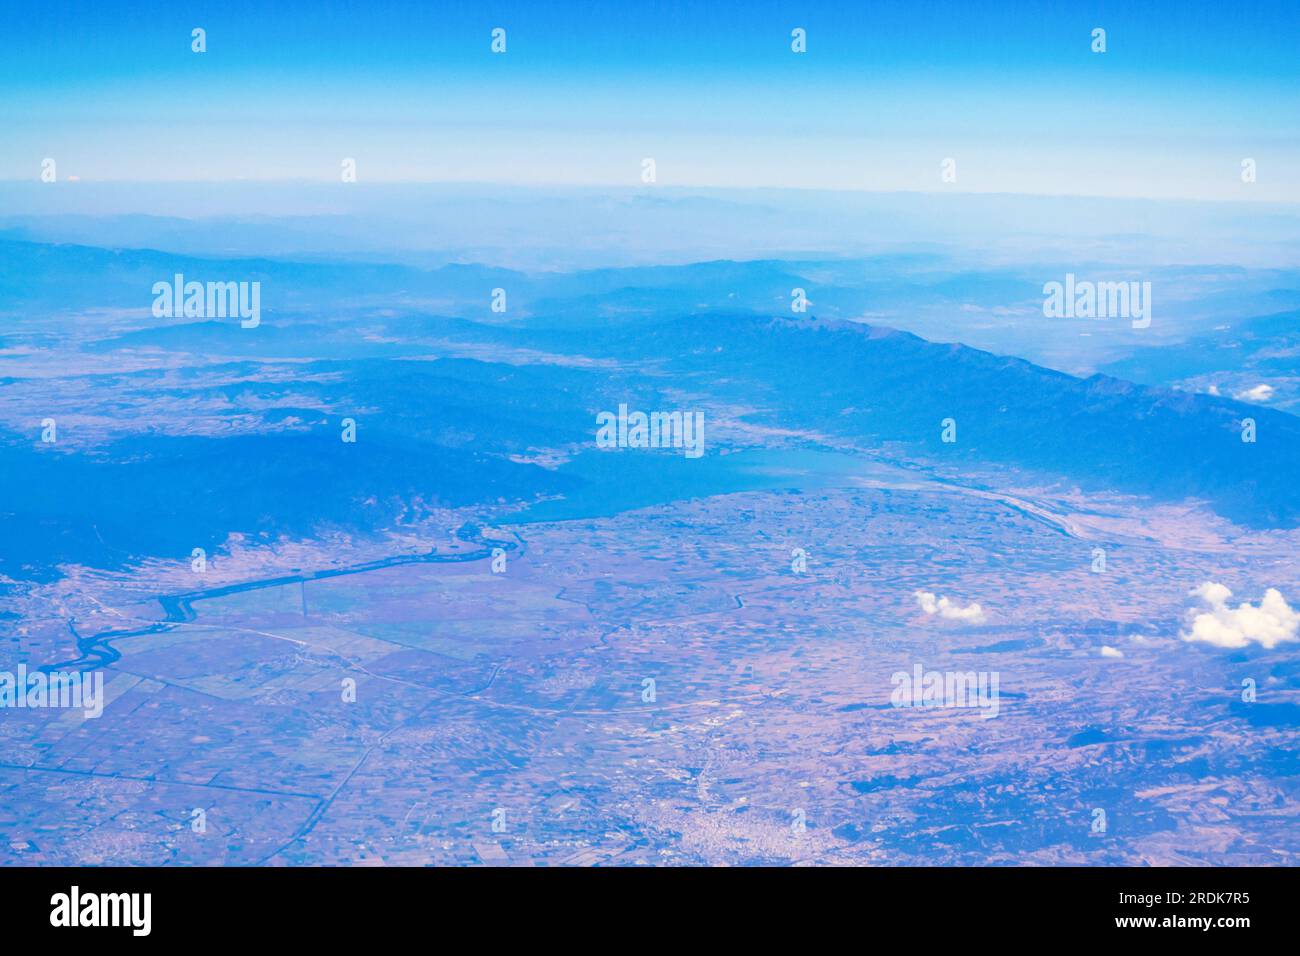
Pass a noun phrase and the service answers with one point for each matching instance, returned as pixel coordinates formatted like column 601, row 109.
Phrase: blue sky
column 712, row 92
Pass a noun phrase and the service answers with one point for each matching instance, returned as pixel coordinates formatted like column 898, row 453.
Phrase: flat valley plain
column 504, row 717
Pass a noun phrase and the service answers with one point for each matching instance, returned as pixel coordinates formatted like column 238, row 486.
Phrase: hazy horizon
column 583, row 93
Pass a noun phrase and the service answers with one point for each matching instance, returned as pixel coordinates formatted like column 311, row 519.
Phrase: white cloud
column 1260, row 393
column 1273, row 622
column 945, row 608
column 1108, row 651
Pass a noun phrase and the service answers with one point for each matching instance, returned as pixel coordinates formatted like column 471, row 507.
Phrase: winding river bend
column 801, row 468
column 97, row 649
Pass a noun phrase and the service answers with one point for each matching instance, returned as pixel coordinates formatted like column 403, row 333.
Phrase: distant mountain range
column 1232, row 358
column 889, row 386
column 463, row 430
